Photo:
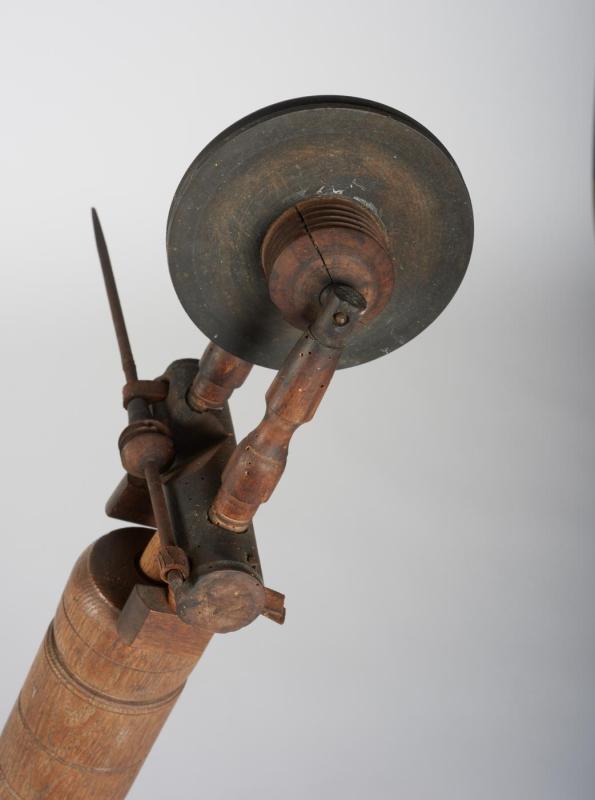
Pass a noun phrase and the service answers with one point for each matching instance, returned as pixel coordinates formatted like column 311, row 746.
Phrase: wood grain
column 219, row 376
column 256, row 465
column 92, row 706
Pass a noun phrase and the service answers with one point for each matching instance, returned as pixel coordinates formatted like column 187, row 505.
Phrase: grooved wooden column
column 92, row 706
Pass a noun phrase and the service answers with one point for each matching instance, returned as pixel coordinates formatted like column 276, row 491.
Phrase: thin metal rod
column 162, row 520
column 126, row 357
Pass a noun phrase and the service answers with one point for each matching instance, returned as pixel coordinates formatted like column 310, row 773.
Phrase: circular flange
column 312, row 147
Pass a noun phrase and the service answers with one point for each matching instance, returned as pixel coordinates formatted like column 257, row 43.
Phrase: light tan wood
column 148, row 561
column 92, row 706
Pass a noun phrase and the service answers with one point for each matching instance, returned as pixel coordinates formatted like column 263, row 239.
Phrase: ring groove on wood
column 92, row 706
column 91, row 695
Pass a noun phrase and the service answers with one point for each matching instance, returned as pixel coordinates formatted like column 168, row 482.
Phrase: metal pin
column 126, row 356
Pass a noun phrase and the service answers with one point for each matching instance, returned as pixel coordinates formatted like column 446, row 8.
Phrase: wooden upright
column 92, row 706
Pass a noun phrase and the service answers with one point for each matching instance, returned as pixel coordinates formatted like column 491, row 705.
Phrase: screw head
column 340, row 318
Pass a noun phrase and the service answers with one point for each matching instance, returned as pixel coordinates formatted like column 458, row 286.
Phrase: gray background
column 452, row 657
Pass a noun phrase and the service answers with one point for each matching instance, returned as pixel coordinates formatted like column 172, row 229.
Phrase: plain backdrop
column 433, row 532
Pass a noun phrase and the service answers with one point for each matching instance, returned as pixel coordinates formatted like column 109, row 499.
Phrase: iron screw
column 340, row 318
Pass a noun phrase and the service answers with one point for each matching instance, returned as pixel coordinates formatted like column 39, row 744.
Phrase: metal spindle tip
column 95, row 219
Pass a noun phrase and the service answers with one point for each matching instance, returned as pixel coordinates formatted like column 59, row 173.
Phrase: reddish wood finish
column 257, row 463
column 92, row 706
column 323, row 240
column 219, row 374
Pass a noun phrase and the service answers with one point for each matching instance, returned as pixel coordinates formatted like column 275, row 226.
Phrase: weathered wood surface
column 257, row 463
column 92, row 706
column 220, row 374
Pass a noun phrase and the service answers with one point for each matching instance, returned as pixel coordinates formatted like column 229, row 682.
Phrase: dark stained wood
column 232, row 559
column 309, row 147
column 224, row 567
column 130, row 501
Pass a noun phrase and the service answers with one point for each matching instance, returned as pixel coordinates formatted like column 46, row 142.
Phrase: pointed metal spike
column 126, row 356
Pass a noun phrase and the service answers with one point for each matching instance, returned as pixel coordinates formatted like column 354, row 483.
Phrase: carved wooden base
column 92, row 706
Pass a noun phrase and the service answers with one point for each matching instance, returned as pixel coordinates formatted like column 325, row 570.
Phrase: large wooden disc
column 311, row 147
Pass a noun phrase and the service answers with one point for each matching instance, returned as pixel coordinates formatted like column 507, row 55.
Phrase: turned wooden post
column 258, row 461
column 92, row 706
column 219, row 375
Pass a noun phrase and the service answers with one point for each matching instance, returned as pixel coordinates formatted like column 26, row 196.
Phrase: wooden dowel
column 256, row 465
column 149, row 563
column 219, row 374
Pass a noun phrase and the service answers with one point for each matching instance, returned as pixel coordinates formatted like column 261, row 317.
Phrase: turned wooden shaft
column 258, row 461
column 92, row 706
column 219, row 374
column 150, row 566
